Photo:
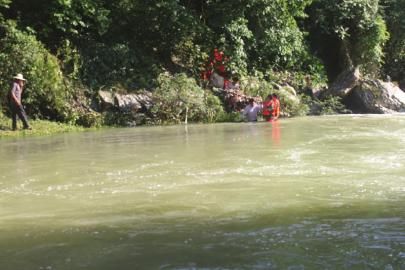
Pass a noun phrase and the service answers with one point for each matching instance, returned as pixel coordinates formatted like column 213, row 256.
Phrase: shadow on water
column 351, row 237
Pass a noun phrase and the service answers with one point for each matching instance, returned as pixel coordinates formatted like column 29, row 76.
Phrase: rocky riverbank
column 356, row 93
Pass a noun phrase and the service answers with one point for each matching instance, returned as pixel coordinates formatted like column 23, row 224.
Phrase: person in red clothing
column 267, row 108
column 275, row 113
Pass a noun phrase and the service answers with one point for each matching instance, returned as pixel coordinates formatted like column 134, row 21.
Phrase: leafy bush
column 45, row 94
column 325, row 106
column 224, row 117
column 90, row 119
column 178, row 98
column 394, row 14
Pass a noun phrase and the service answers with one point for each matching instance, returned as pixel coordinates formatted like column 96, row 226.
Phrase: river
column 301, row 193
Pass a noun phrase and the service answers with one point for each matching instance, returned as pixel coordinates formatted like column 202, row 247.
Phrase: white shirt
column 251, row 111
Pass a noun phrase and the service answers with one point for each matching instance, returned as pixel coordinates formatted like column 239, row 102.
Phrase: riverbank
column 39, row 127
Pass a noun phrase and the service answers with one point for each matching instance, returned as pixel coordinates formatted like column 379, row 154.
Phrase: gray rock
column 345, row 82
column 125, row 102
column 375, row 96
column 106, row 100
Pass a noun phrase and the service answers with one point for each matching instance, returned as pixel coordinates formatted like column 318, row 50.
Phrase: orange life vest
column 267, row 107
column 276, row 108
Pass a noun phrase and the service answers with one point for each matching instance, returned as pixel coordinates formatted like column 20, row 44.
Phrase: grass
column 39, row 127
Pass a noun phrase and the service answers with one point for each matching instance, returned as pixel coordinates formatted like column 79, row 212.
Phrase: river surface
column 302, row 193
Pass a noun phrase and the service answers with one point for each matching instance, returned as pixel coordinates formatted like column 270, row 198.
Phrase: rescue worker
column 267, row 108
column 275, row 113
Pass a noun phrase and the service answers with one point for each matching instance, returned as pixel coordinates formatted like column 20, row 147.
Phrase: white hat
column 19, row 76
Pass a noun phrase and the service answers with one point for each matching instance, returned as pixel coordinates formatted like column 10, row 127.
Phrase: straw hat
column 19, row 76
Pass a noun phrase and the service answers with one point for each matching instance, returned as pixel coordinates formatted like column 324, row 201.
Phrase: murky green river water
column 303, row 193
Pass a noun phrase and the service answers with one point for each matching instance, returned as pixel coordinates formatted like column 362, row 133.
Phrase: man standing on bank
column 15, row 102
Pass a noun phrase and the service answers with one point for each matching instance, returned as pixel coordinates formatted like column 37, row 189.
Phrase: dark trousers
column 18, row 110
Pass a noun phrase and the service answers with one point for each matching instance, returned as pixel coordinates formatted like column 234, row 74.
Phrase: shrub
column 213, row 108
column 230, row 117
column 327, row 105
column 45, row 94
column 178, row 98
column 90, row 119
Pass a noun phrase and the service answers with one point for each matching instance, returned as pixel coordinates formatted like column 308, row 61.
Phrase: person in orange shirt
column 267, row 108
column 275, row 113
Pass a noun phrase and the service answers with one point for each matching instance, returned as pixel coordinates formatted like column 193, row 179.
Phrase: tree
column 348, row 33
column 394, row 14
column 4, row 4
column 58, row 20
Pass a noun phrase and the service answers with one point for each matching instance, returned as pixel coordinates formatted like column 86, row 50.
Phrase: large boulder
column 133, row 102
column 345, row 82
column 106, row 100
column 138, row 102
column 375, row 96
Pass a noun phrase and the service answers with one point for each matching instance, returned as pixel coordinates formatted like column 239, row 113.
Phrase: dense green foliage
column 394, row 14
column 179, row 99
column 163, row 45
column 353, row 32
column 45, row 91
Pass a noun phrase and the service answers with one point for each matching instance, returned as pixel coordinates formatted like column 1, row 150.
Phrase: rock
column 217, row 80
column 106, row 100
column 345, row 82
column 375, row 96
column 133, row 102
column 125, row 102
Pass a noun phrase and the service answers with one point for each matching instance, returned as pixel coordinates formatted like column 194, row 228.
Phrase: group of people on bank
column 270, row 109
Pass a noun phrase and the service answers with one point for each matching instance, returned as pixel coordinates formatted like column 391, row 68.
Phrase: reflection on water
column 305, row 193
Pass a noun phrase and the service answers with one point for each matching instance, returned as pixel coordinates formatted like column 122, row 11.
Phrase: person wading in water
column 271, row 108
column 267, row 108
column 275, row 113
column 15, row 102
